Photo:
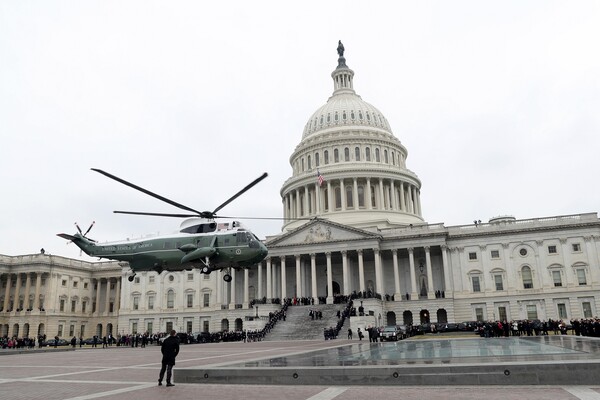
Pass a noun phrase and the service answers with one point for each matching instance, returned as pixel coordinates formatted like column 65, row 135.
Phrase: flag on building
column 320, row 178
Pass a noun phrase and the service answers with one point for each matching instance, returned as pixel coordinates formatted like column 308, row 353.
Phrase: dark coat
column 169, row 350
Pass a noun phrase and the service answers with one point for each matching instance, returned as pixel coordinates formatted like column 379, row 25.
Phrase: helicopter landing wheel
column 227, row 278
column 205, row 270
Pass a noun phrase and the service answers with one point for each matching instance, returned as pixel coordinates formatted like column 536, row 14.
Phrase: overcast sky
column 498, row 104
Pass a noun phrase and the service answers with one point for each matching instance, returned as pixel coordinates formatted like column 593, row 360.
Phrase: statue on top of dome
column 340, row 49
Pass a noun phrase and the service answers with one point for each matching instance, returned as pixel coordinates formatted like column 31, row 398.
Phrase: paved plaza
column 126, row 373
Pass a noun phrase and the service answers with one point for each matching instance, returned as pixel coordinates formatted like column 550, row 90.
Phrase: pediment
column 320, row 231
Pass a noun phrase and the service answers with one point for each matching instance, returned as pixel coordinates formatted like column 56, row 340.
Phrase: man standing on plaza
column 169, row 350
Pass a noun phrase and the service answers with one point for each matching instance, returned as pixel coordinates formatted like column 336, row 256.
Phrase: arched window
column 338, row 198
column 303, row 165
column 373, row 197
column 377, row 158
column 326, row 157
column 346, row 154
column 317, row 160
column 336, row 156
column 309, row 163
column 357, row 153
column 361, row 197
column 385, row 157
column 368, row 154
column 170, row 299
column 349, row 202
column 527, row 277
column 393, row 159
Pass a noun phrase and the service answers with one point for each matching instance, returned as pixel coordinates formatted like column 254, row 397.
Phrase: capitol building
column 354, row 224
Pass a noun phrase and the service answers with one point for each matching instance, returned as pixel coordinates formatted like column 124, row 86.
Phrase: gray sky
column 497, row 104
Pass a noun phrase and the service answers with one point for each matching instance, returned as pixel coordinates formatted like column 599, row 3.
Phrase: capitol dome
column 349, row 167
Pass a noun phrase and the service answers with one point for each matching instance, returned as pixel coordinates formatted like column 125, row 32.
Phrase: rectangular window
column 111, row 307
column 134, row 327
column 149, row 328
column 190, row 300
column 60, row 331
column 498, row 281
column 136, row 279
column 479, row 314
column 495, row 254
column 532, row 311
column 169, row 327
column 556, row 277
column 75, row 283
column 576, row 247
column 62, row 305
column 150, row 302
column 73, row 305
column 206, row 299
column 472, row 256
column 502, row 314
column 82, row 331
column 476, row 285
column 136, row 303
column 205, row 326
column 71, row 330
column 551, row 249
column 206, row 276
column 189, row 326
column 581, row 279
column 190, row 277
column 64, row 282
column 562, row 311
column 587, row 309
column 83, row 305
column 151, row 279
column 85, row 285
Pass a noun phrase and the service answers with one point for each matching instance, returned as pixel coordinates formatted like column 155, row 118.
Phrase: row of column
column 17, row 293
column 310, row 199
column 117, row 302
column 278, row 288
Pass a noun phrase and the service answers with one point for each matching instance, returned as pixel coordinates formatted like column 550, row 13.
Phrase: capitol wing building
column 361, row 232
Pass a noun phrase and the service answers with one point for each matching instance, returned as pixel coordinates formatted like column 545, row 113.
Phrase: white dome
column 345, row 109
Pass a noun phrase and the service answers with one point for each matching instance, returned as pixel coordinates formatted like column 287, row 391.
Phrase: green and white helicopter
column 200, row 243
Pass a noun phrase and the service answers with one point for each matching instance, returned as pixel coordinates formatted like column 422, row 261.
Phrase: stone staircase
column 299, row 326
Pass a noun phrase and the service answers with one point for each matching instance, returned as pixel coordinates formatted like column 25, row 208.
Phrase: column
column 298, row 278
column 346, row 276
column 286, row 206
column 567, row 263
column 233, row 301
column 7, row 292
column 98, row 286
column 368, row 194
column 397, row 293
column 361, row 271
column 445, row 267
column 343, row 194
column 330, row 205
column 260, row 288
column 17, row 292
column 269, row 277
column 378, row 277
column 298, row 213
column 117, row 305
column 27, row 289
column 414, row 295
column 38, row 286
column 355, row 194
column 283, row 280
column 402, row 202
column 329, row 279
column 246, row 288
column 218, row 289
column 430, row 291
column 313, row 277
column 107, row 300
column 306, row 202
column 381, row 198
column 394, row 203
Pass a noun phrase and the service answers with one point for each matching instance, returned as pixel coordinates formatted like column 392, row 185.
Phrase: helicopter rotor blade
column 145, row 191
column 235, row 196
column 156, row 214
column 267, row 218
column 90, row 228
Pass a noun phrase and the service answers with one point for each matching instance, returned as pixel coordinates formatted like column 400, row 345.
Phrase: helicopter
column 200, row 243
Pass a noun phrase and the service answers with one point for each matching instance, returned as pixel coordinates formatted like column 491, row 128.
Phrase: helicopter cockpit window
column 241, row 237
